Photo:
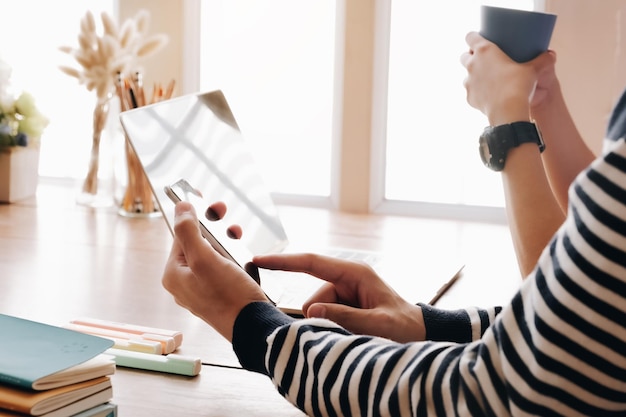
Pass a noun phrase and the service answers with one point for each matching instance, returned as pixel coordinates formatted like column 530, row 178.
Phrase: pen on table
column 445, row 287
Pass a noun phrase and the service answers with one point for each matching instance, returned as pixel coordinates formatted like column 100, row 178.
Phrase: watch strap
column 499, row 140
column 514, row 134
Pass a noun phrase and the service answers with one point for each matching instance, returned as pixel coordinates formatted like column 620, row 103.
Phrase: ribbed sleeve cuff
column 253, row 325
column 446, row 325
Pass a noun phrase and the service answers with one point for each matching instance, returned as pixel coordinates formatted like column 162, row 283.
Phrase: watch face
column 485, row 153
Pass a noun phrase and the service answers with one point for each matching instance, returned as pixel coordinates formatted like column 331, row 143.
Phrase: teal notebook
column 31, row 351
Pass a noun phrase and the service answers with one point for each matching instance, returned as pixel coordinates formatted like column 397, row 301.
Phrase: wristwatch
column 496, row 142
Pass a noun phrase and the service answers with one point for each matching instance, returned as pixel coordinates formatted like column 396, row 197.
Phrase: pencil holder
column 138, row 200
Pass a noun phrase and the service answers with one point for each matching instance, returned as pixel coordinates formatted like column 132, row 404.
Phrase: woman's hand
column 499, row 87
column 548, row 87
column 354, row 297
column 201, row 280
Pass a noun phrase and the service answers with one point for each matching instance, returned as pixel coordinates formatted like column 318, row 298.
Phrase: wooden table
column 60, row 261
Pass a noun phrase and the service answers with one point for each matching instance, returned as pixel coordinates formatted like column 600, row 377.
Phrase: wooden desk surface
column 60, row 261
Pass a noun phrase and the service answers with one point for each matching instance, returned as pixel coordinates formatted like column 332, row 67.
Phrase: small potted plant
column 21, row 127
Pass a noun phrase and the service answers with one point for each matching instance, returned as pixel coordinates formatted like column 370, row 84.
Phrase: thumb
column 348, row 317
column 186, row 228
column 544, row 60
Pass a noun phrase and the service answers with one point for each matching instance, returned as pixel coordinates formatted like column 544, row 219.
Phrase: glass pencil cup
column 138, row 200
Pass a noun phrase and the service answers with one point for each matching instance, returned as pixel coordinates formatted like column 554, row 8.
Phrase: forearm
column 566, row 153
column 532, row 210
column 461, row 325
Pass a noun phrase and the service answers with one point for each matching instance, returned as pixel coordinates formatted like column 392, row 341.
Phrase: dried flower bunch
column 117, row 51
column 21, row 123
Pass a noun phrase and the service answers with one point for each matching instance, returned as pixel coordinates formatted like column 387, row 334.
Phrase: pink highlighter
column 169, row 339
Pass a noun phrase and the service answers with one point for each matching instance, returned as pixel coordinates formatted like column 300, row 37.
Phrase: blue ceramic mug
column 521, row 34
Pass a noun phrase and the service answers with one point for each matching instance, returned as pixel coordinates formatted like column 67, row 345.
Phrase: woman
column 558, row 349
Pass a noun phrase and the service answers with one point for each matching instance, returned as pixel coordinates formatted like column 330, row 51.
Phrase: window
column 274, row 60
column 432, row 133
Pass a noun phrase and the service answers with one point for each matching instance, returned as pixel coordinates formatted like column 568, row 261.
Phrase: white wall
column 591, row 60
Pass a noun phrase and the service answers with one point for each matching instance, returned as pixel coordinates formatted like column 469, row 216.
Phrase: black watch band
column 496, row 142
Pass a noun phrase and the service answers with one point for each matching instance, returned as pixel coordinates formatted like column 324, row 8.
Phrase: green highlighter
column 172, row 363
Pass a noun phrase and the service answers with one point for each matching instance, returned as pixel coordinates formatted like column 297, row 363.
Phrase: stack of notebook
column 50, row 371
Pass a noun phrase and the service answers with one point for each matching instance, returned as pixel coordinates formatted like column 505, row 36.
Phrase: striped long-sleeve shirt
column 559, row 347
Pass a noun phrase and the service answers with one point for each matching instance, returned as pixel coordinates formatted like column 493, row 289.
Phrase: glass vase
column 97, row 187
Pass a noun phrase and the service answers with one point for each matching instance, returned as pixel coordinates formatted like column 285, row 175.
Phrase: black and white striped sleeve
column 558, row 349
column 462, row 325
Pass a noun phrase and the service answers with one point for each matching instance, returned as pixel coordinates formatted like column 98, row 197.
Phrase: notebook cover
column 38, row 403
column 101, row 365
column 30, row 351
